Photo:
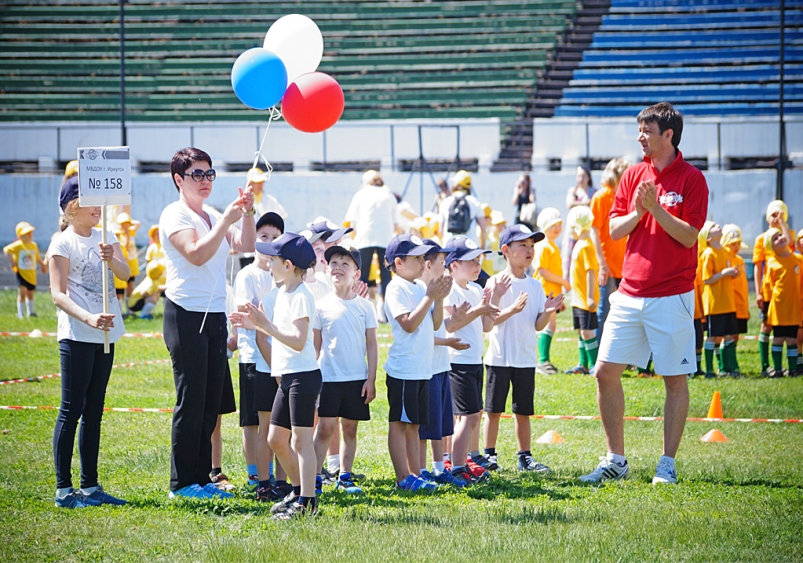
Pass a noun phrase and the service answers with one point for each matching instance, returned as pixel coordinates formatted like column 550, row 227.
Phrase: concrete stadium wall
column 737, row 197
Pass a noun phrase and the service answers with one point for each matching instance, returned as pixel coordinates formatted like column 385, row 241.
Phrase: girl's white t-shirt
column 471, row 333
column 85, row 286
column 290, row 307
column 194, row 288
column 513, row 343
column 250, row 285
column 410, row 355
column 343, row 323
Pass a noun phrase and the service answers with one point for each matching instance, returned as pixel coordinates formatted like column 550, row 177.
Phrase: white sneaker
column 607, row 470
column 665, row 473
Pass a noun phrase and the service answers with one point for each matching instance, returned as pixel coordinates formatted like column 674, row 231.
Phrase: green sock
column 709, row 357
column 728, row 353
column 544, row 343
column 581, row 349
column 764, row 349
column 791, row 356
column 591, row 350
column 720, row 358
column 777, row 357
column 735, row 359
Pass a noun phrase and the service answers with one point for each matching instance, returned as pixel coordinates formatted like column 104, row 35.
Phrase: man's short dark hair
column 667, row 117
column 184, row 158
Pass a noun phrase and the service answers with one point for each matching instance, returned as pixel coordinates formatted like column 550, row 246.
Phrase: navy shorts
column 441, row 420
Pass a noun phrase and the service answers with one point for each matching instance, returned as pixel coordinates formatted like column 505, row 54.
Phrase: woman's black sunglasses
column 198, row 175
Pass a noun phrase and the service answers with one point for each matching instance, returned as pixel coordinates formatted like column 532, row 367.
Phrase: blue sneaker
column 422, row 485
column 446, row 478
column 318, row 485
column 191, row 491
column 427, row 476
column 102, row 497
column 212, row 489
column 346, row 483
column 75, row 499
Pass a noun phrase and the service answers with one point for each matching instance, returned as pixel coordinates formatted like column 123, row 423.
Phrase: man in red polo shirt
column 661, row 205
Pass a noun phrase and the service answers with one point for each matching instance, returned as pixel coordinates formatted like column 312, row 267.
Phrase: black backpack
column 459, row 220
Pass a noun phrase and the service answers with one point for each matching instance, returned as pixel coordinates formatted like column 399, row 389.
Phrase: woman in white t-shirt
column 77, row 257
column 196, row 242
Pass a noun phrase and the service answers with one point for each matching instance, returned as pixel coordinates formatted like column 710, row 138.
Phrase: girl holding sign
column 196, row 242
column 77, row 257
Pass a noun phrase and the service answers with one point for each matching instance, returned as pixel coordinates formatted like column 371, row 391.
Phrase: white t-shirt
column 193, row 288
column 471, row 333
column 85, row 286
column 475, row 209
column 250, row 284
column 290, row 307
column 343, row 348
column 268, row 305
column 410, row 355
column 513, row 343
column 318, row 287
column 372, row 213
column 440, row 354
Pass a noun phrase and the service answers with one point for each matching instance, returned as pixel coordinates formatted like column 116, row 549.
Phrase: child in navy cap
column 511, row 357
column 294, row 361
column 414, row 311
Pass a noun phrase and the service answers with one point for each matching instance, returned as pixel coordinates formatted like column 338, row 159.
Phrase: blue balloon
column 259, row 78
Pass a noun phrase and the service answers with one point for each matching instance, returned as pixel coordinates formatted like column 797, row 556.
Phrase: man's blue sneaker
column 212, row 489
column 346, row 483
column 191, row 491
column 75, row 500
column 102, row 497
column 446, row 478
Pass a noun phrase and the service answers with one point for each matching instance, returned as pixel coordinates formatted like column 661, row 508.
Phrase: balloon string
column 275, row 115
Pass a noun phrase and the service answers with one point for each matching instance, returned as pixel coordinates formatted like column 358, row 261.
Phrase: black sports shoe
column 297, row 510
column 485, row 463
column 282, row 505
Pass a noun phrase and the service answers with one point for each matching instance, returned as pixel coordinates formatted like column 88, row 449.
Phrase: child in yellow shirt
column 719, row 301
column 783, row 272
column 732, row 240
column 585, row 290
column 699, row 317
column 549, row 271
column 23, row 254
column 125, row 234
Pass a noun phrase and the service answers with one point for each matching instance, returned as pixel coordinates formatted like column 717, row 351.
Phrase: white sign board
column 104, row 176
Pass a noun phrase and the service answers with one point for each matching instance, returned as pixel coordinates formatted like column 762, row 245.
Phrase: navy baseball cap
column 518, row 232
column 334, row 232
column 464, row 249
column 289, row 246
column 438, row 249
column 406, row 245
column 352, row 253
column 69, row 191
column 271, row 218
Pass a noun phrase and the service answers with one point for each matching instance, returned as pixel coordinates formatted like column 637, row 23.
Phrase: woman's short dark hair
column 667, row 117
column 184, row 158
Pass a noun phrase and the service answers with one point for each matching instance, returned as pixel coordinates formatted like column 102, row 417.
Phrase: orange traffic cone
column 714, row 436
column 550, row 438
column 715, row 410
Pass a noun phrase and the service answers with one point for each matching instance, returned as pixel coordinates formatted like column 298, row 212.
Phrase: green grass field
column 737, row 501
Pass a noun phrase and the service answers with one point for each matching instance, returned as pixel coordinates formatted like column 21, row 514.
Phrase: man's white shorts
column 663, row 326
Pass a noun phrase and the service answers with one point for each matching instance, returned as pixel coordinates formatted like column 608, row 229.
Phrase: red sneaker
column 474, row 469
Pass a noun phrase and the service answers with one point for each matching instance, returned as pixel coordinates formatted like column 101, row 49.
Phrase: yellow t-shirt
column 547, row 255
column 760, row 256
column 26, row 256
column 740, row 288
column 784, row 275
column 718, row 297
column 154, row 252
column 584, row 258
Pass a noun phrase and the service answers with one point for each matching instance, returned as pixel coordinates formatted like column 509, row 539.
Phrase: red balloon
column 313, row 102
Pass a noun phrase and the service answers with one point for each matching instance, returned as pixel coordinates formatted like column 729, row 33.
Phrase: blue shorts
column 441, row 420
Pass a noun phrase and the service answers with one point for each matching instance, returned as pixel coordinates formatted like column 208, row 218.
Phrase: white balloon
column 298, row 43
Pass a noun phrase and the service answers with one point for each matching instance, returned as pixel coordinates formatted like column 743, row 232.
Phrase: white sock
column 437, row 467
column 20, row 309
column 669, row 460
column 616, row 458
column 333, row 463
column 29, row 303
column 89, row 490
column 61, row 493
